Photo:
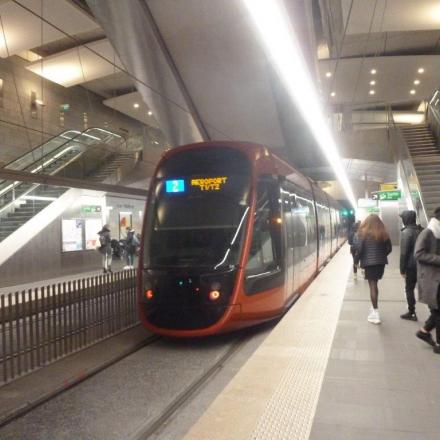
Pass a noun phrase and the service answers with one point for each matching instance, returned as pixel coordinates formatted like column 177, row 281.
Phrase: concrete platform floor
column 326, row 373
column 381, row 381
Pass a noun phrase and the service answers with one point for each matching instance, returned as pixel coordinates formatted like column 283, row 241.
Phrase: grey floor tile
column 381, row 382
column 322, row 431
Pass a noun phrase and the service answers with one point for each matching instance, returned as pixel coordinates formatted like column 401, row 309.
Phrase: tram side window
column 262, row 256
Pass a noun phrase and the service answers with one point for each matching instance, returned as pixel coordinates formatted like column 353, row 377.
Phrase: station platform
column 326, row 373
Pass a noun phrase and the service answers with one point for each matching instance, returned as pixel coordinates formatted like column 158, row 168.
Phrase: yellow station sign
column 388, row 186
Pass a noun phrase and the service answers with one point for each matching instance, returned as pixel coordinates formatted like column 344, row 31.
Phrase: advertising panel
column 72, row 233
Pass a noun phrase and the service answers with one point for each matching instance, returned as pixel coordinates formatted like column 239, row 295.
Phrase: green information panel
column 91, row 208
column 390, row 195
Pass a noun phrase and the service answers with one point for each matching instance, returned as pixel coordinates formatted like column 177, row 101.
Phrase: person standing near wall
column 105, row 248
column 131, row 245
column 373, row 245
column 408, row 265
column 427, row 253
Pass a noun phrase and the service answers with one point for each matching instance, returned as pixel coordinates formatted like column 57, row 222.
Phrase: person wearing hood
column 105, row 248
column 427, row 254
column 408, row 265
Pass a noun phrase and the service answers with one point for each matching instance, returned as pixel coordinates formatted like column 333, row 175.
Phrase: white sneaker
column 374, row 316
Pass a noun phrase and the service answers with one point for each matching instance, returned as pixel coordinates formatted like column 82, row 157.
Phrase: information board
column 72, row 233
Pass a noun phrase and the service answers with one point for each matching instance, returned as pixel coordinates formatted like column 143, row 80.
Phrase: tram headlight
column 214, row 295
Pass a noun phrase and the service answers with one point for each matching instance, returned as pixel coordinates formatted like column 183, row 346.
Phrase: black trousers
column 410, row 285
column 433, row 322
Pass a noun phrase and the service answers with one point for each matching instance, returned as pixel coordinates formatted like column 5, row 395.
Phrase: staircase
column 41, row 197
column 34, row 198
column 110, row 167
column 426, row 159
column 51, row 166
column 420, row 141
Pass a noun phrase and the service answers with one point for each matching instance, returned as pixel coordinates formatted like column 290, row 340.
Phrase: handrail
column 59, row 148
column 78, row 134
column 433, row 111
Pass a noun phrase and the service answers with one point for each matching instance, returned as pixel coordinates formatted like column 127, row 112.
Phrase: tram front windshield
column 199, row 210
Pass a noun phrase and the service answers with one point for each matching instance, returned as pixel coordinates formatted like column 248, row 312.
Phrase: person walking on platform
column 351, row 241
column 373, row 245
column 105, row 248
column 427, row 253
column 408, row 265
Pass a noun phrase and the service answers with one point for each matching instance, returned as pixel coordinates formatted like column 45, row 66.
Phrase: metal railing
column 41, row 325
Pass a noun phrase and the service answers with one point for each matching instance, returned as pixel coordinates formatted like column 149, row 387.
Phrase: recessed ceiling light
column 328, row 74
column 136, row 105
column 417, row 82
column 413, row 92
column 421, row 70
column 372, row 83
column 150, row 112
column 373, row 71
column 372, row 92
column 333, row 94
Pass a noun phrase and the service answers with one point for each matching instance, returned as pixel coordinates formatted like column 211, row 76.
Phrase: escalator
column 93, row 154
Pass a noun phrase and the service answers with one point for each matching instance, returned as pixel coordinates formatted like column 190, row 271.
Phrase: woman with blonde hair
column 373, row 245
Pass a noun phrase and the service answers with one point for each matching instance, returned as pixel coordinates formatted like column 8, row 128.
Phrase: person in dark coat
column 373, row 245
column 351, row 241
column 427, row 254
column 408, row 266
column 105, row 248
column 131, row 245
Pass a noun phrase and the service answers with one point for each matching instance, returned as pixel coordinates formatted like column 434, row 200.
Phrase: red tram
column 232, row 235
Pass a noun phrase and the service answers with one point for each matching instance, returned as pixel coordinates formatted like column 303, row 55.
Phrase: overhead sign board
column 388, row 186
column 390, row 195
column 91, row 208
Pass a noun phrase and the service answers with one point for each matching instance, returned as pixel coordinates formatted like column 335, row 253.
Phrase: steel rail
column 152, row 427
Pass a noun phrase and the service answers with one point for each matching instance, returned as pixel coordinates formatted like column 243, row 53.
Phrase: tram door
column 288, row 242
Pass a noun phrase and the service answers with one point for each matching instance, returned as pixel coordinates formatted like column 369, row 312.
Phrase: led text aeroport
column 209, row 184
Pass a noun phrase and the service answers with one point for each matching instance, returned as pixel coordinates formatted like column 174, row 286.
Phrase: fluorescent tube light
column 48, row 199
column 283, row 48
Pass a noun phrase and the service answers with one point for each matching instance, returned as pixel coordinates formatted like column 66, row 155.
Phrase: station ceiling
column 220, row 84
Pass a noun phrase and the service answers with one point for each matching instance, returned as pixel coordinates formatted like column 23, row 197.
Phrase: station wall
column 15, row 112
column 43, row 258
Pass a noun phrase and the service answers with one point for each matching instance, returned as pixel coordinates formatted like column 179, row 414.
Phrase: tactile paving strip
column 290, row 411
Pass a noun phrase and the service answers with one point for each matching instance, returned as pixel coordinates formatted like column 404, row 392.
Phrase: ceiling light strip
column 284, row 50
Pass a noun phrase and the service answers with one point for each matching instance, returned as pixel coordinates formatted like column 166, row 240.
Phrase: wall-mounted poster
column 72, row 234
column 93, row 226
column 125, row 221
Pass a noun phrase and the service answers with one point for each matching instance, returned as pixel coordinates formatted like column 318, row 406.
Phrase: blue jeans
column 130, row 259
